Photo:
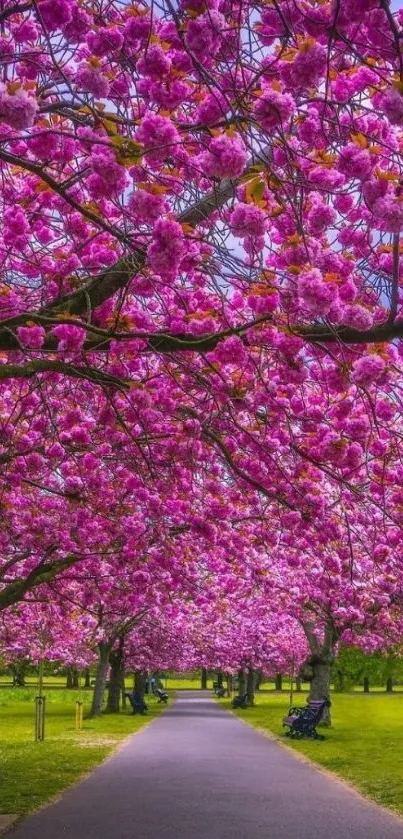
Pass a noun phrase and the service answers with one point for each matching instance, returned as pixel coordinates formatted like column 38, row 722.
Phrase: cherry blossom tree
column 200, row 305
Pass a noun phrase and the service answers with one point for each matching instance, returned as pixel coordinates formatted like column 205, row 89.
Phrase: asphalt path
column 199, row 773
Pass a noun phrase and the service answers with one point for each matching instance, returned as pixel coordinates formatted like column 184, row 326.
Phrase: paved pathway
column 199, row 773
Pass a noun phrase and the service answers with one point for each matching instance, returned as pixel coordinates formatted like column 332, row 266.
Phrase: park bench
column 137, row 703
column 219, row 690
column 302, row 722
column 162, row 695
column 240, row 701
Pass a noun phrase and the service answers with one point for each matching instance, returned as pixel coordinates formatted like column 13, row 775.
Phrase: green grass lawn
column 32, row 773
column 176, row 683
column 364, row 745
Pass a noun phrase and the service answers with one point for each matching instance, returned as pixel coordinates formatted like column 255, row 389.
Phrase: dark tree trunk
column 219, row 679
column 241, row 682
column 298, row 684
column 140, row 678
column 115, row 678
column 203, row 684
column 87, row 678
column 278, row 682
column 366, row 684
column 18, row 672
column 389, row 685
column 340, row 681
column 250, row 686
column 258, row 679
column 72, row 677
column 100, row 679
column 317, row 668
column 320, row 684
column 123, row 689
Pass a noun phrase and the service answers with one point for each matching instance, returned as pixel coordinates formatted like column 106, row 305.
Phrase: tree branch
column 105, row 285
column 32, row 368
column 43, row 573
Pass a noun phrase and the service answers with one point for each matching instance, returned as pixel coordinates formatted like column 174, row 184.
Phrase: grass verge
column 32, row 773
column 363, row 746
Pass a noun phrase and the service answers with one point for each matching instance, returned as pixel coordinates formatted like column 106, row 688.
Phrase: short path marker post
column 79, row 715
column 79, row 706
column 40, row 708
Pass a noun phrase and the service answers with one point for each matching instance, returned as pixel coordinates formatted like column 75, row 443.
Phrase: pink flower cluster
column 16, row 227
column 18, row 110
column 167, row 247
column 147, row 206
column 248, row 220
column 212, row 109
column 355, row 162
column 154, row 63
column 55, row 13
column 274, row 109
column 319, row 217
column 70, row 338
column 32, row 337
column 92, row 80
column 159, row 136
column 307, row 68
column 104, row 41
column 316, row 294
column 392, row 106
column 108, row 178
column 226, row 157
column 204, row 34
column 368, row 369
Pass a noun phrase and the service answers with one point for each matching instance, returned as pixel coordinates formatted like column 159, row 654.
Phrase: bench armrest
column 295, row 711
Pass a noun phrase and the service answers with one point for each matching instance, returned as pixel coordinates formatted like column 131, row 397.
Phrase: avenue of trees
column 201, row 333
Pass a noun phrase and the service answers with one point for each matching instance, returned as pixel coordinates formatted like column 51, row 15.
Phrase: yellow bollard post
column 79, row 715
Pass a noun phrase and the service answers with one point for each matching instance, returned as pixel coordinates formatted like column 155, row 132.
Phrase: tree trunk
column 241, row 682
column 123, row 689
column 298, row 684
column 204, row 679
column 100, row 679
column 72, row 677
column 389, row 685
column 278, row 682
column 317, row 668
column 366, row 684
column 140, row 678
column 320, row 684
column 250, row 686
column 229, row 684
column 18, row 673
column 258, row 679
column 87, row 678
column 219, row 679
column 115, row 678
column 340, row 683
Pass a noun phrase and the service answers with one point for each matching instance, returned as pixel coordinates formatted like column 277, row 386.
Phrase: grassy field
column 32, row 773
column 176, row 683
column 364, row 745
